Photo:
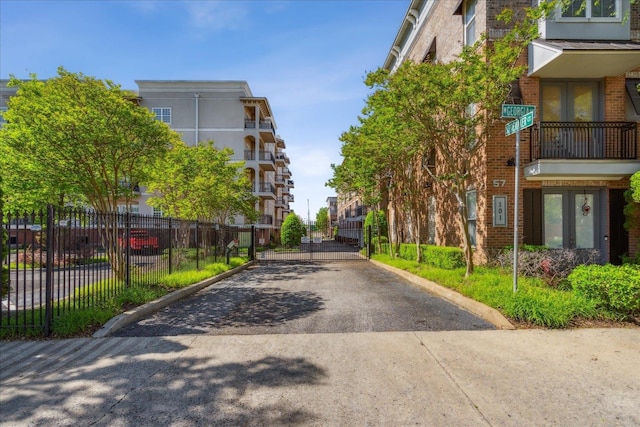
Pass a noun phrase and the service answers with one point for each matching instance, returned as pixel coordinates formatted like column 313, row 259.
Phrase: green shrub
column 383, row 240
column 443, row 256
column 615, row 288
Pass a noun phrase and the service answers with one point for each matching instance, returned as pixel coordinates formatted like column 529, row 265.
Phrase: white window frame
column 157, row 212
column 162, row 113
column 588, row 17
column 470, row 22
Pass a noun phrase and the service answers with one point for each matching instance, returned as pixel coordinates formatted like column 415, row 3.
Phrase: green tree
column 451, row 108
column 76, row 138
column 292, row 230
column 378, row 223
column 201, row 183
column 4, row 270
column 322, row 220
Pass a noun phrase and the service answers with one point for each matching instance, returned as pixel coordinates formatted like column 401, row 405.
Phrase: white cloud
column 216, row 15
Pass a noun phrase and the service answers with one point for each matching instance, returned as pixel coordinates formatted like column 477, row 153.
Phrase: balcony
column 286, row 172
column 265, row 159
column 280, row 202
column 279, row 180
column 266, row 190
column 582, row 150
column 290, row 183
column 281, row 159
column 265, row 219
column 292, row 198
column 266, row 124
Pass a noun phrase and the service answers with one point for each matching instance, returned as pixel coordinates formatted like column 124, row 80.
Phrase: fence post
column 170, row 245
column 48, row 308
column 197, row 248
column 127, row 253
column 252, row 247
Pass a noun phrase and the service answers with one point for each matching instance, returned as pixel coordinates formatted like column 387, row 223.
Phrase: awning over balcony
column 564, row 169
column 574, row 59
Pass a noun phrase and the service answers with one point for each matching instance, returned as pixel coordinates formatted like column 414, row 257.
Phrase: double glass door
column 570, row 219
column 576, row 106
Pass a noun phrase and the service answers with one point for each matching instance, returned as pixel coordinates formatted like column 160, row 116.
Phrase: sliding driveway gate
column 339, row 244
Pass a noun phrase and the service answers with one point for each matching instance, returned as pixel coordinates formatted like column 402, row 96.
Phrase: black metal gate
column 312, row 243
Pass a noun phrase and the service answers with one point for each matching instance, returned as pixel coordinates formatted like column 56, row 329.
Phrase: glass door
column 569, row 219
column 572, row 102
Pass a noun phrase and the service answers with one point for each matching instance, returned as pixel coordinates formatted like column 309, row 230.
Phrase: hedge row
column 436, row 256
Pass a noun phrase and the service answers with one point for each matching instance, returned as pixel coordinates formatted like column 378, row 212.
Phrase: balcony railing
column 265, row 124
column 265, row 219
column 249, row 124
column 267, row 156
column 266, row 187
column 584, row 140
column 264, row 156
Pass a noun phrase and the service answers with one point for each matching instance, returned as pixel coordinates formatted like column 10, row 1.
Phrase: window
column 470, row 23
column 591, row 9
column 162, row 114
column 471, row 215
column 157, row 213
column 134, row 209
column 431, row 221
column 472, row 137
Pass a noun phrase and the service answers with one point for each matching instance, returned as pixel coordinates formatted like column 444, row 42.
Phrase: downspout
column 197, row 96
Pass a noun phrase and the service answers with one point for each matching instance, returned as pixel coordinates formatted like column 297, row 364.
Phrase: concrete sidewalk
column 466, row 378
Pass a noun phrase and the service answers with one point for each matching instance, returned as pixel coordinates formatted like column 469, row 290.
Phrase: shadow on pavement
column 146, row 390
column 228, row 307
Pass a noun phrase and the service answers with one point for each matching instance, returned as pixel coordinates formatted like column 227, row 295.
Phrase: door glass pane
column 584, row 221
column 553, row 220
column 551, row 105
column 583, row 103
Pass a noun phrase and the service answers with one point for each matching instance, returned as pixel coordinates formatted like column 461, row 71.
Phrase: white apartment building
column 228, row 113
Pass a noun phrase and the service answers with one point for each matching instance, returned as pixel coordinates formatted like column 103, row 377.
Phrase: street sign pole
column 523, row 115
column 516, row 199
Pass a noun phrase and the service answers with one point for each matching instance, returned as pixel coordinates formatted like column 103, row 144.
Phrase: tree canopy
column 77, row 138
column 432, row 107
column 201, row 182
column 292, row 230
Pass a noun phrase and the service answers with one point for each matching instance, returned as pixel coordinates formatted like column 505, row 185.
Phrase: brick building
column 576, row 160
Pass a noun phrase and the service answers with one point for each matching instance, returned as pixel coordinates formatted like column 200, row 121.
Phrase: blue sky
column 309, row 58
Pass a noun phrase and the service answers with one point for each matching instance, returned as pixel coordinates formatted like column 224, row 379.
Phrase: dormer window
column 600, row 10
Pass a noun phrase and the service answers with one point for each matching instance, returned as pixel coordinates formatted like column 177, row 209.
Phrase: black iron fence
column 315, row 242
column 584, row 140
column 62, row 260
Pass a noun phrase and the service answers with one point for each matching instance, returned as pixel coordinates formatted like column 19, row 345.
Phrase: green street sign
column 516, row 110
column 519, row 124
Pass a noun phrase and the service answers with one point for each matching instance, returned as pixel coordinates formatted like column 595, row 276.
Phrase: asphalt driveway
column 307, row 298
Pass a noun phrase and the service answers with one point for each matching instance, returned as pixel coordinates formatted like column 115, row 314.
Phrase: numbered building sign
column 499, row 211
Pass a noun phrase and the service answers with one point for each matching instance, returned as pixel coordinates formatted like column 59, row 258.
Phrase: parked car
column 140, row 242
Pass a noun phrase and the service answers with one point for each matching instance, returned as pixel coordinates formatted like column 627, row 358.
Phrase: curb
column 485, row 312
column 138, row 313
